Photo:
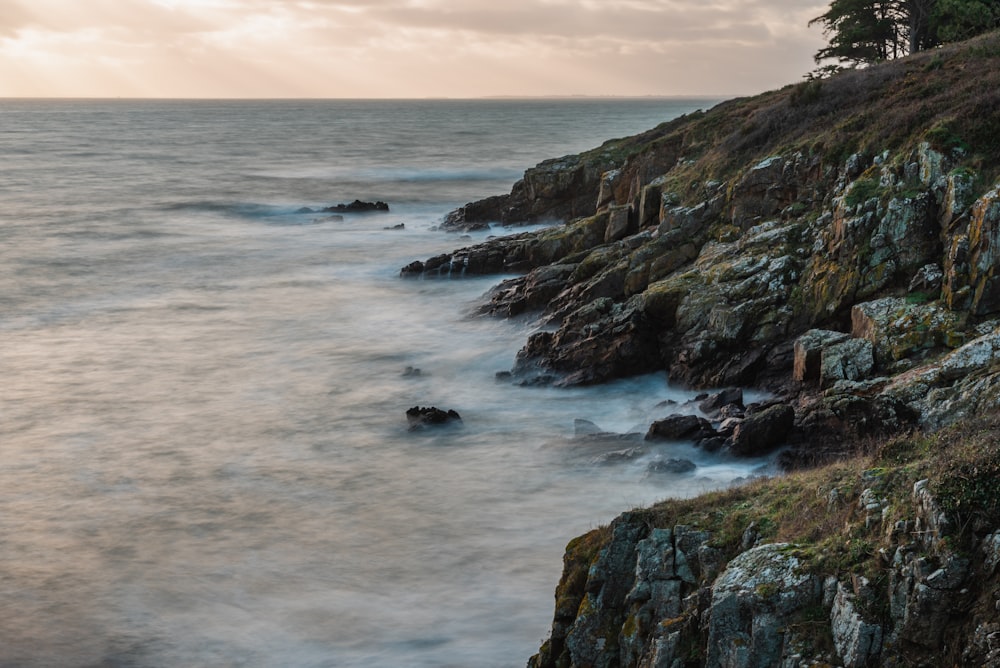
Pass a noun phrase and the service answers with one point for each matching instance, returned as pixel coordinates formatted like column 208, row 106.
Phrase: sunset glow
column 401, row 48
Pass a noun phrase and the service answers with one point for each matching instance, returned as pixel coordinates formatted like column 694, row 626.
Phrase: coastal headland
column 837, row 244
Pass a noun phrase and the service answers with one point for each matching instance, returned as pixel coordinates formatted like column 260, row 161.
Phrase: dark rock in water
column 401, row 226
column 305, row 209
column 474, row 216
column 762, row 431
column 714, row 402
column 411, row 371
column 711, row 444
column 330, row 219
column 415, row 268
column 680, row 428
column 671, row 465
column 504, row 376
column 422, row 416
column 357, row 206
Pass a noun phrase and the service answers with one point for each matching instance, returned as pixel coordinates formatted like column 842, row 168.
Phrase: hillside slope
column 867, row 204
column 836, row 242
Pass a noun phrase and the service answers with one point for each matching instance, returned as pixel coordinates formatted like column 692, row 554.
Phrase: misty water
column 205, row 455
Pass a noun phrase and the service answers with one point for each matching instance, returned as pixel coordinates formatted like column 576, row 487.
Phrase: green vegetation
column 862, row 191
column 872, row 31
column 918, row 297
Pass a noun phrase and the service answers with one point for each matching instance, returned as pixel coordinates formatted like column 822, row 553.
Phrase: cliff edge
column 836, row 243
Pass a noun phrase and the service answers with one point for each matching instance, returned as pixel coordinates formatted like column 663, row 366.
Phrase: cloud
column 406, row 47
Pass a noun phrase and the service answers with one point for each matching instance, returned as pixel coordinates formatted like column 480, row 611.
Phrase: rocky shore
column 835, row 243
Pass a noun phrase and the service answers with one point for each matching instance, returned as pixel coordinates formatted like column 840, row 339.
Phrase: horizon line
column 375, row 99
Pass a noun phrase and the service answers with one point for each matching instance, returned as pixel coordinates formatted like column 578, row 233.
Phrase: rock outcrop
column 729, row 252
column 884, row 568
column 838, row 249
column 419, row 417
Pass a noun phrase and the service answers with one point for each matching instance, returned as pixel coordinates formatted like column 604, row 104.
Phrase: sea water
column 204, row 455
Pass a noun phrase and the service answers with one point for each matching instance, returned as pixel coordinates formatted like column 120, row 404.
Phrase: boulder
column 899, row 329
column 715, row 402
column 753, row 601
column 849, row 360
column 761, row 432
column 808, row 351
column 680, row 428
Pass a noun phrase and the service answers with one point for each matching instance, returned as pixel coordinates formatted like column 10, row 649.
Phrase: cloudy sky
column 402, row 48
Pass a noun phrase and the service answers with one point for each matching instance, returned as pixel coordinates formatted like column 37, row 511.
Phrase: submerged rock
column 671, row 465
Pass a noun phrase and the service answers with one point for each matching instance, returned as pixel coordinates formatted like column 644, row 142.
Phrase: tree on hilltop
column 861, row 32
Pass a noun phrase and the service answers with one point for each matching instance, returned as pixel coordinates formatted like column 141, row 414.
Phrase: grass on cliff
column 949, row 97
column 819, row 509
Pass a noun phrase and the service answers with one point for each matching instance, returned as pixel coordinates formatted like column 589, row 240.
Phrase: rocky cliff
column 886, row 560
column 834, row 242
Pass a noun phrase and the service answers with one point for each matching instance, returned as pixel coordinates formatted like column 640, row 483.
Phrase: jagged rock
column 752, row 601
column 714, row 403
column 606, row 194
column 960, row 384
column 849, row 360
column 357, row 206
column 620, row 223
column 765, row 189
column 928, row 280
column 680, row 428
column 609, row 580
column 858, row 641
column 921, row 596
column 475, row 215
column 808, row 352
column 898, row 329
column 419, row 417
column 761, row 432
column 984, row 253
column 529, row 293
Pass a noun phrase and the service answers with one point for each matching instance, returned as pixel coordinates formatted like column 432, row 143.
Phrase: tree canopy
column 868, row 31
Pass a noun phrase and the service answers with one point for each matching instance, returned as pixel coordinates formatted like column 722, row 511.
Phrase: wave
column 231, row 209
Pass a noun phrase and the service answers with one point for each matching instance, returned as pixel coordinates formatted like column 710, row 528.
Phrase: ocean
column 205, row 454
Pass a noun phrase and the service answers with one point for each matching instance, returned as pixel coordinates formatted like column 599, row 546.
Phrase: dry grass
column 948, row 96
column 818, row 509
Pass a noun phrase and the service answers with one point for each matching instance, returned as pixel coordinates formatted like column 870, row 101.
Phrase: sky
column 402, row 48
